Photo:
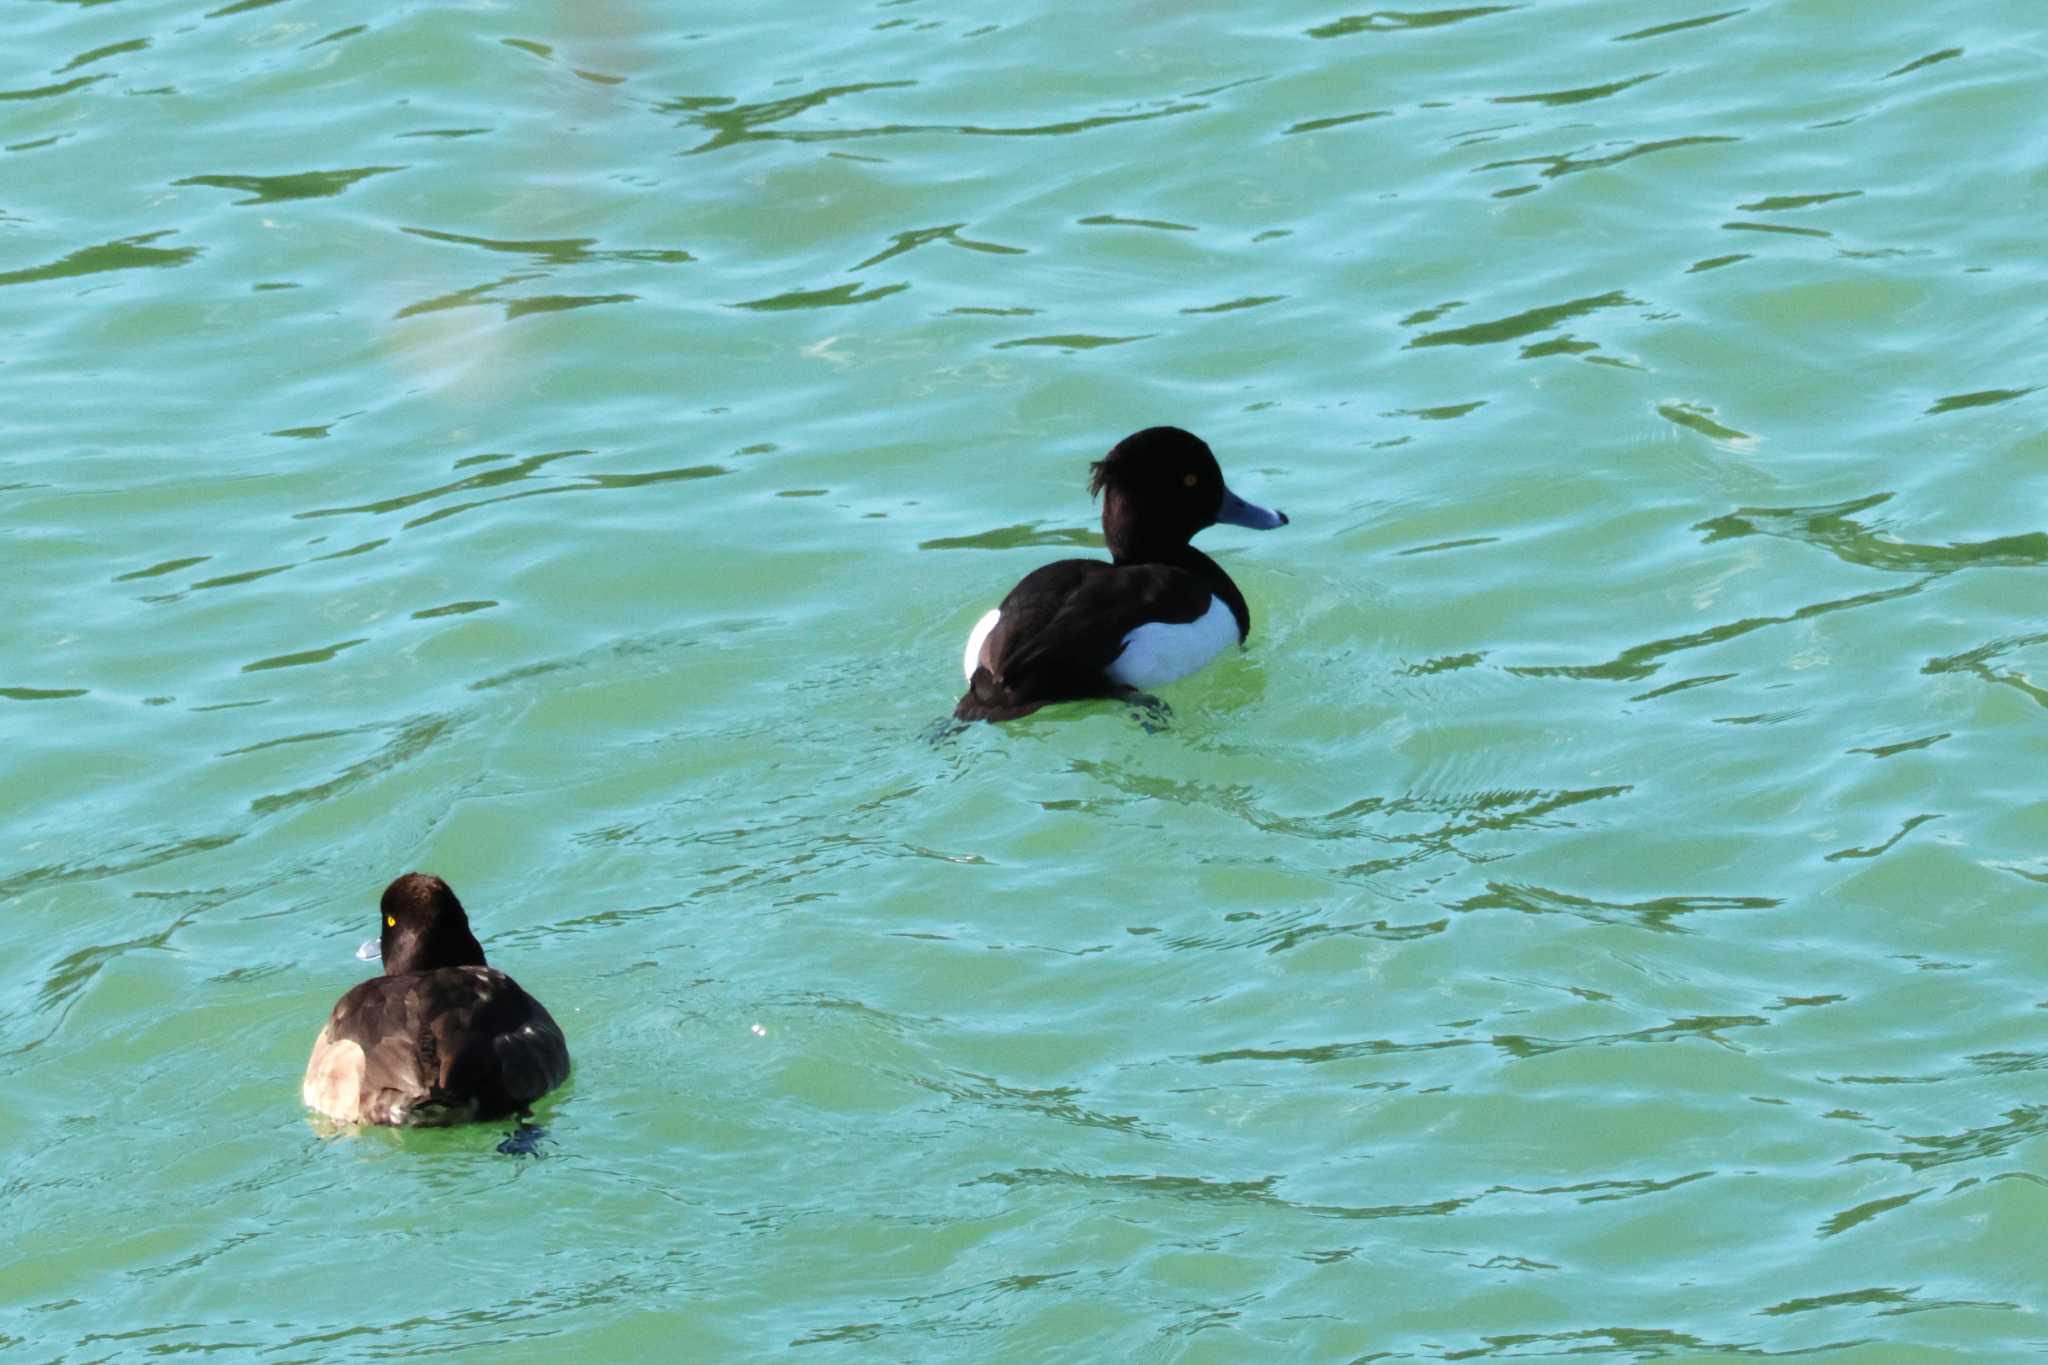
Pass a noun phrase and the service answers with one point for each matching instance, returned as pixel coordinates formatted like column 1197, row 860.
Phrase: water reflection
column 128, row 253
column 732, row 123
column 1677, row 26
column 1835, row 527
column 275, row 189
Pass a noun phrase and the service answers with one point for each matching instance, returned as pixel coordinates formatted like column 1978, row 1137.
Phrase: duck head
column 424, row 927
column 1159, row 487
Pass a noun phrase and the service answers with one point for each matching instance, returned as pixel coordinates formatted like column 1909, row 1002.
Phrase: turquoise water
column 563, row 447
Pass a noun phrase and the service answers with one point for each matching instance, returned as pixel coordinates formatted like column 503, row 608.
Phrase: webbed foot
column 524, row 1140
column 1152, row 713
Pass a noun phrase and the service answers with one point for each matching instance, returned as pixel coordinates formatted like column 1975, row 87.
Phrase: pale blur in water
column 563, row 447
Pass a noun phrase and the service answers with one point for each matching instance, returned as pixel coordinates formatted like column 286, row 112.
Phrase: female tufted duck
column 440, row 1037
column 1160, row 610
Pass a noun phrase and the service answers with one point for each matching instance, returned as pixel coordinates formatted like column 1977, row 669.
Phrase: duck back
column 439, row 1046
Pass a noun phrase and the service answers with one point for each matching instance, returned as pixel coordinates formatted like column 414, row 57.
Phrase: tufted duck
column 1159, row 611
column 440, row 1037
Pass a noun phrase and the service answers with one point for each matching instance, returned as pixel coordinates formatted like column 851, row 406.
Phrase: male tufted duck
column 440, row 1037
column 1160, row 610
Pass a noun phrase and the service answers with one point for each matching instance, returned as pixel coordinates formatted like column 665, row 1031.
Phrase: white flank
column 334, row 1079
column 972, row 658
column 1158, row 652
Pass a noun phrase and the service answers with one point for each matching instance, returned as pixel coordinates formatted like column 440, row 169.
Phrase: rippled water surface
column 563, row 446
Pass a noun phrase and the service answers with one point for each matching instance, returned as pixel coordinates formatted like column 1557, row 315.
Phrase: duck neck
column 1136, row 539
column 442, row 944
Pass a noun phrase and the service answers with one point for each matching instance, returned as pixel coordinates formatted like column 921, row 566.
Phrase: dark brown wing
column 450, row 1044
column 514, row 1051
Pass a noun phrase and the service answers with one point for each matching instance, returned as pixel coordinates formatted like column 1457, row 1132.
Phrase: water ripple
column 564, row 251
column 1316, row 125
column 1920, row 63
column 1660, row 913
column 1983, row 398
column 1864, row 1212
column 1198, row 1190
column 1072, row 341
column 2021, row 1126
column 1022, row 536
column 1524, row 323
column 1608, row 1191
column 1678, row 26
column 125, row 858
column 1706, row 1026
column 1235, row 305
column 1877, row 850
column 1641, row 661
column 732, row 123
column 1112, row 220
column 299, row 658
column 483, row 295
column 241, row 7
column 1782, row 203
column 522, row 469
column 1285, row 931
column 41, row 693
column 43, row 92
column 1321, row 1053
column 1057, row 1103
column 337, row 36
column 1978, row 661
column 835, row 296
column 1399, row 21
column 1896, row 1301
column 1700, row 418
column 1582, row 95
column 1573, row 163
column 99, row 54
column 1833, row 527
column 273, row 189
column 912, row 239
column 411, row 739
column 126, row 253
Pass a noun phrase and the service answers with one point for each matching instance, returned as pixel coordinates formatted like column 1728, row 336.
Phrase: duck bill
column 1237, row 512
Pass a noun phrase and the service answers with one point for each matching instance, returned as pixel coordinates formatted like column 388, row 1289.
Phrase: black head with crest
column 1161, row 486
column 424, row 927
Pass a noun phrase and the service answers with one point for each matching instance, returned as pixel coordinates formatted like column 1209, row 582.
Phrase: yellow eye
column 390, row 923
column 1192, row 479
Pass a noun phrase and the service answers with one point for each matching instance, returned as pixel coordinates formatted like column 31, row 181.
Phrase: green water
column 563, row 447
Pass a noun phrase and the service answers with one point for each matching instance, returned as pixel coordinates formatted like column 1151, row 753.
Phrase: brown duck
column 441, row 1037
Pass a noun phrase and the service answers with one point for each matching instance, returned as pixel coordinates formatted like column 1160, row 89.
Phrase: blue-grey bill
column 1238, row 512
column 369, row 950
